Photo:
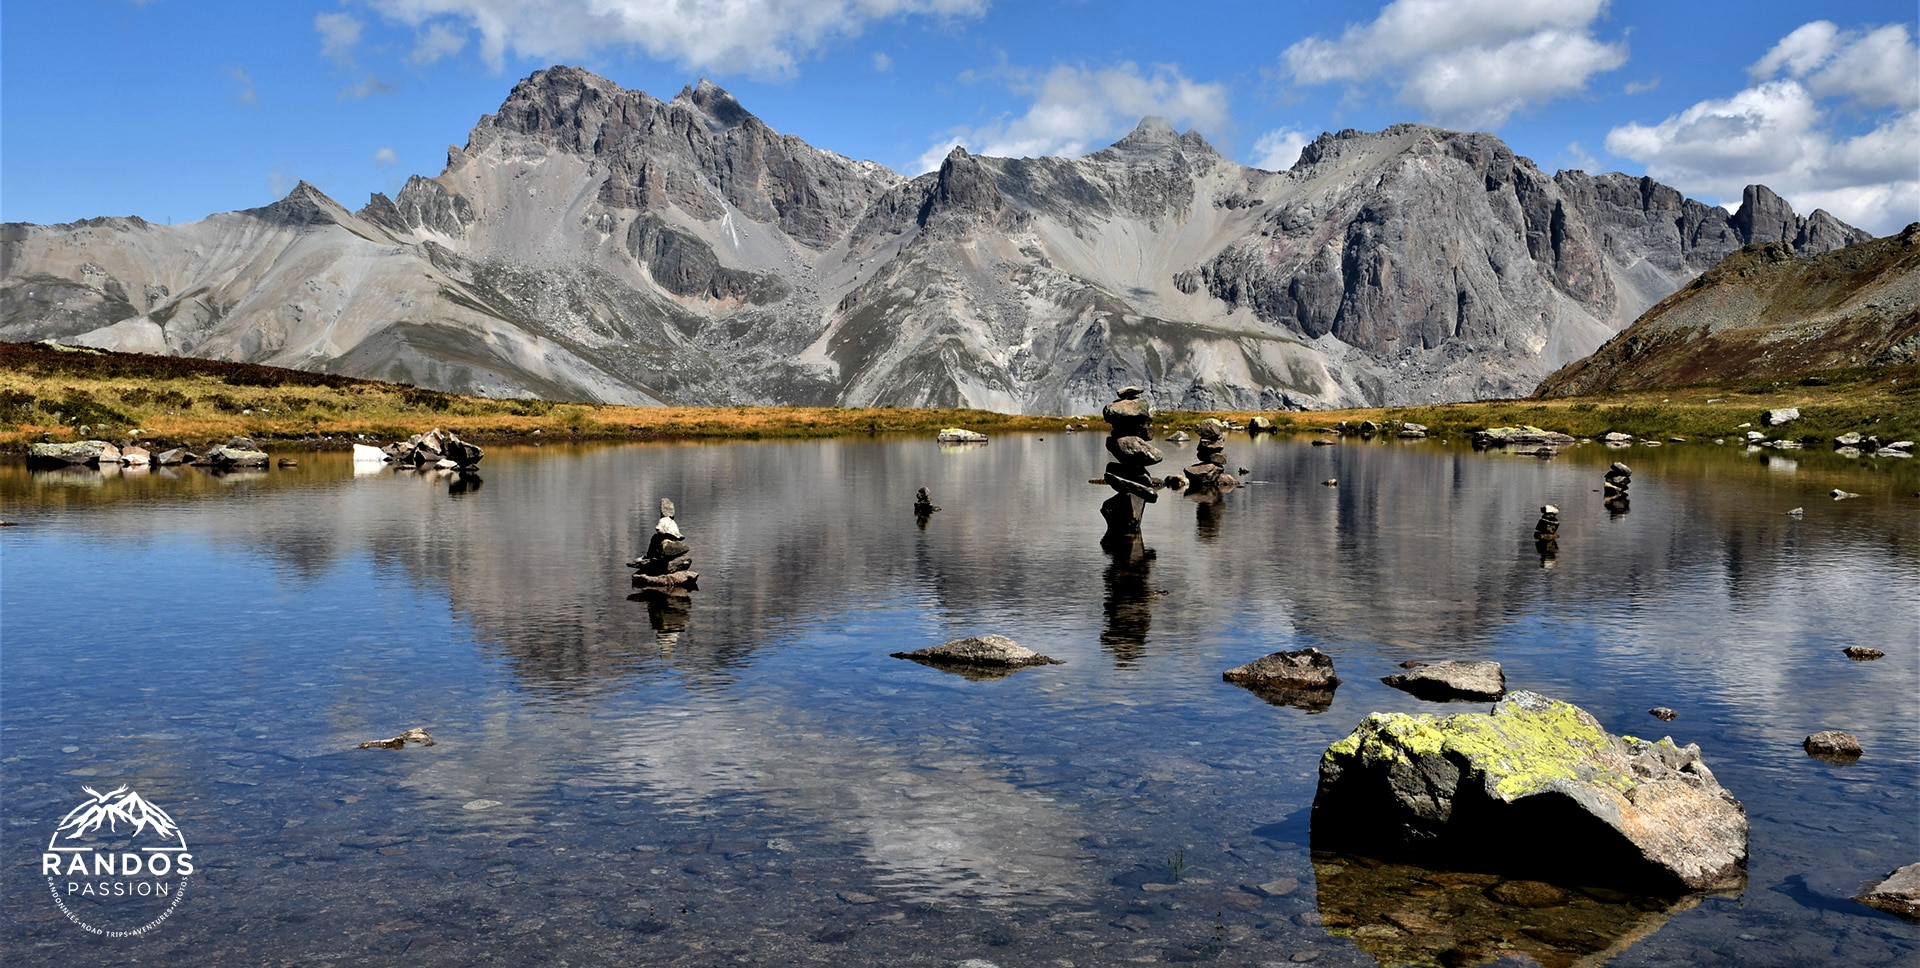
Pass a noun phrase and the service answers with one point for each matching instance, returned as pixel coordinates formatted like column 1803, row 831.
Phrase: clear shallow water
column 753, row 780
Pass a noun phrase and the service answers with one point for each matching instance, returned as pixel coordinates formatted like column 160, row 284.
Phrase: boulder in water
column 1536, row 789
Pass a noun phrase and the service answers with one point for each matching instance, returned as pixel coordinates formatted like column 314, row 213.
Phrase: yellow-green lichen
column 1520, row 750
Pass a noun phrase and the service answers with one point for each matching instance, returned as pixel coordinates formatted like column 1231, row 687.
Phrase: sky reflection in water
column 754, row 773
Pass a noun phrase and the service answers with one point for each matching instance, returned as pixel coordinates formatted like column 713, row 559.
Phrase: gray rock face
column 1453, row 680
column 595, row 243
column 1535, row 788
column 1898, row 894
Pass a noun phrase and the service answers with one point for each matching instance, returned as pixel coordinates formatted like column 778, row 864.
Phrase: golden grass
column 48, row 393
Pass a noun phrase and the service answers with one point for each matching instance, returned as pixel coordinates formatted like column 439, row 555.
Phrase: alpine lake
column 744, row 775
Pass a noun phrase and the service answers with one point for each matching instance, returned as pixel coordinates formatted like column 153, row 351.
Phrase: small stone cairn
column 1614, row 490
column 666, row 565
column 1210, row 469
column 1546, row 531
column 1131, row 418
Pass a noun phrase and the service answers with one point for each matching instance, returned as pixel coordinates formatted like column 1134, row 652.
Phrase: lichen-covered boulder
column 1536, row 788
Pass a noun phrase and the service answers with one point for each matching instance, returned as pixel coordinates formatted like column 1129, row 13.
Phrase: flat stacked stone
column 1210, row 455
column 666, row 565
column 1131, row 418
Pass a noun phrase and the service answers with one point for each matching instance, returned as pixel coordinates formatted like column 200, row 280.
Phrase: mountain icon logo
column 117, row 864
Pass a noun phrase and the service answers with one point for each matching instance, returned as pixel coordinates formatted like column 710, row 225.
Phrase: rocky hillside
column 596, row 243
column 1763, row 312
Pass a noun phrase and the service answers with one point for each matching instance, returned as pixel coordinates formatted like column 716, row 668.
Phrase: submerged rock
column 993, row 652
column 1303, row 679
column 1452, row 680
column 1307, row 667
column 1401, row 914
column 1898, row 894
column 1536, row 788
column 1832, row 745
column 416, row 736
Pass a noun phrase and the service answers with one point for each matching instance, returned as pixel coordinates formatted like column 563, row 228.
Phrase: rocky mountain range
column 596, row 243
column 1761, row 312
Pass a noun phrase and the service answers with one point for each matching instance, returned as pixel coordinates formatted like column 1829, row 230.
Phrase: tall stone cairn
column 1210, row 457
column 666, row 565
column 1131, row 418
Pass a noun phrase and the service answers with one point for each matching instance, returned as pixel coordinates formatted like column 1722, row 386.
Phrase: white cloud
column 1277, row 150
column 385, row 156
column 1876, row 68
column 339, row 34
column 1577, row 157
column 767, row 37
column 247, row 95
column 1791, row 132
column 1465, row 63
column 1076, row 110
column 438, row 40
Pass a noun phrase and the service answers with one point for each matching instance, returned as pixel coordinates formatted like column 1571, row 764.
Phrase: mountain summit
column 595, row 243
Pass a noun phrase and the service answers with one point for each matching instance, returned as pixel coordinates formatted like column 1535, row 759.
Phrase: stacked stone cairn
column 1614, row 491
column 1546, row 532
column 1210, row 467
column 1131, row 418
column 666, row 565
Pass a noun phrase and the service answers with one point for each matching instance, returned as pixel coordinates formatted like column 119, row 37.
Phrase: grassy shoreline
column 69, row 394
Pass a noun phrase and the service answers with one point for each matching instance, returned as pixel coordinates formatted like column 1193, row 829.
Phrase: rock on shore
column 1536, row 788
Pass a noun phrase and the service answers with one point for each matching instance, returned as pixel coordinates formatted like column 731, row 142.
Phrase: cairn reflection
column 668, row 610
column 1400, row 914
column 1129, row 597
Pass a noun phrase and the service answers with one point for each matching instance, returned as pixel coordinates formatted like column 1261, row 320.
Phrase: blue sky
column 175, row 109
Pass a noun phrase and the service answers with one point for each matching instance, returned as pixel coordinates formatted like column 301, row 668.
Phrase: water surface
column 746, row 777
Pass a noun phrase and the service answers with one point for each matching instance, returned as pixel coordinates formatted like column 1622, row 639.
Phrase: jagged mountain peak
column 303, row 205
column 595, row 242
column 721, row 109
column 1154, row 135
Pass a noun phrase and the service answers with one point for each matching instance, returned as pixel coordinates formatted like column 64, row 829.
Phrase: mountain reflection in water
column 743, row 773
